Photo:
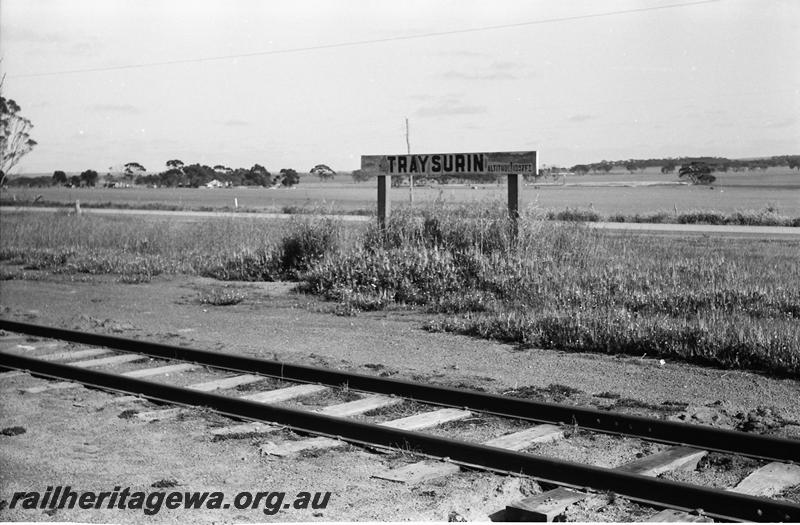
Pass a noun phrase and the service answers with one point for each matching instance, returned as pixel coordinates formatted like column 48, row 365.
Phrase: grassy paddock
column 733, row 192
column 769, row 216
column 137, row 249
column 725, row 302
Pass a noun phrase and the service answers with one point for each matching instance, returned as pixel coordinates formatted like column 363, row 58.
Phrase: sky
column 295, row 83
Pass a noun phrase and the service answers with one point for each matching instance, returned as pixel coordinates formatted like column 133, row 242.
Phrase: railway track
column 265, row 411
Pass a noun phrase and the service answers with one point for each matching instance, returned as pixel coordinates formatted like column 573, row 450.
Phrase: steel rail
column 716, row 503
column 708, row 438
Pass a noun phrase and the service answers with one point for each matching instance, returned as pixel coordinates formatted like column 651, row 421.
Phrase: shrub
column 701, row 217
column 658, row 217
column 244, row 266
column 307, row 242
column 759, row 218
column 222, row 297
column 576, row 215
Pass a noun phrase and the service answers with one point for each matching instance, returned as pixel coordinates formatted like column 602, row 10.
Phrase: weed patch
column 668, row 407
column 306, row 243
column 729, row 303
column 12, row 431
column 608, row 395
column 726, row 303
column 765, row 217
column 222, row 297
column 244, row 266
column 574, row 215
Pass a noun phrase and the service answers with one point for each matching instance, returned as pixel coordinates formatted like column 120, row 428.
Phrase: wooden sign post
column 515, row 164
column 515, row 182
column 384, row 202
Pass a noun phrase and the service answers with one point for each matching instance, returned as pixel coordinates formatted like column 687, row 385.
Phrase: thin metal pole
column 410, row 177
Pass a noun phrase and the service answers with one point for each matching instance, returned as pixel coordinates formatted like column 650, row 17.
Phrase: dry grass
column 723, row 302
column 138, row 249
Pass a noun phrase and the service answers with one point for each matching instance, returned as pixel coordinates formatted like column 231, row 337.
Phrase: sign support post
column 514, row 200
column 384, row 184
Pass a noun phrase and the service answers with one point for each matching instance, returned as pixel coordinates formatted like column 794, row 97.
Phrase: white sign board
column 452, row 164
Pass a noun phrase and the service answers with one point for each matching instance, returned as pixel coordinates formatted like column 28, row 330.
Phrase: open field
column 772, row 177
column 778, row 189
column 761, row 225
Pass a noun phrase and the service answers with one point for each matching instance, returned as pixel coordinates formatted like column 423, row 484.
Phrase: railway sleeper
column 427, row 470
column 415, row 422
column 769, row 480
column 551, row 504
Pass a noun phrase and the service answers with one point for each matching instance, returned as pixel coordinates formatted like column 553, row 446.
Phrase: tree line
column 177, row 174
column 16, row 142
column 670, row 165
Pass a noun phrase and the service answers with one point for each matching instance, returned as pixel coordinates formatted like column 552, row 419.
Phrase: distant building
column 117, row 184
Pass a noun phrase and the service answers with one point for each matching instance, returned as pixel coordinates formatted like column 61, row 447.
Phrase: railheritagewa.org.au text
column 150, row 503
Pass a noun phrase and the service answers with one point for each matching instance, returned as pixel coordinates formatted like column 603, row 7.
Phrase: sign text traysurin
column 434, row 164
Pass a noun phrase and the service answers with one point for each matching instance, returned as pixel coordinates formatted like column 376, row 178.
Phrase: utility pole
column 410, row 177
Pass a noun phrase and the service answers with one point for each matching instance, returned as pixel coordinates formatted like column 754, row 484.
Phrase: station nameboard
column 434, row 164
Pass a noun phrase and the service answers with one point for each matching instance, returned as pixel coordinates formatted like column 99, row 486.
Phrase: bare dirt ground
column 76, row 437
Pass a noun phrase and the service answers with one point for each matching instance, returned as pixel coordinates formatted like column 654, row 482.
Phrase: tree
column 75, row 181
column 15, row 139
column 59, row 177
column 580, row 169
column 697, row 172
column 175, row 164
column 668, row 167
column 258, row 176
column 289, row 177
column 323, row 171
column 133, row 169
column 89, row 177
column 631, row 166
